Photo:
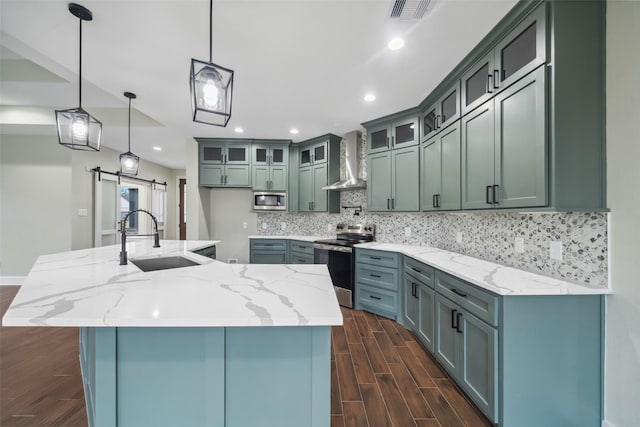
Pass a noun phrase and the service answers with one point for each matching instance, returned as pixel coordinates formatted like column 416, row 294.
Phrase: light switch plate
column 459, row 237
column 83, row 212
column 264, row 225
column 244, row 225
column 329, row 228
column 407, row 232
column 283, row 226
column 519, row 245
column 555, row 250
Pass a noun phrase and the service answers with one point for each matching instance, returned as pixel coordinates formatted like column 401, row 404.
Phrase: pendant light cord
column 210, row 31
column 129, row 124
column 80, row 79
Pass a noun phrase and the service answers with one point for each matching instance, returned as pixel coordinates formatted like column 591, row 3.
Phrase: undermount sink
column 164, row 263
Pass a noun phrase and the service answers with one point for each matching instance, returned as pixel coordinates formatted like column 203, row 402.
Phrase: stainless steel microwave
column 268, row 201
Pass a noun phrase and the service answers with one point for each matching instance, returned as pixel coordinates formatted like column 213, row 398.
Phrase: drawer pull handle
column 375, row 275
column 374, row 297
column 457, row 292
column 417, row 270
column 453, row 319
column 376, row 258
column 458, row 323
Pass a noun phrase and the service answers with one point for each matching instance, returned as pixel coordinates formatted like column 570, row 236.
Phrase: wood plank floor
column 380, row 377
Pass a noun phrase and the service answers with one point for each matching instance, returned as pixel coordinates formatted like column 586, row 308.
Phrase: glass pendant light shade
column 78, row 129
column 211, row 93
column 129, row 162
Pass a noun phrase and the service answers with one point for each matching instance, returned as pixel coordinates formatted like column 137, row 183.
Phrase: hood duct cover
column 352, row 156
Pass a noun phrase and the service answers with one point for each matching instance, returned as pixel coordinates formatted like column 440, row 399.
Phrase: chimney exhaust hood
column 352, row 165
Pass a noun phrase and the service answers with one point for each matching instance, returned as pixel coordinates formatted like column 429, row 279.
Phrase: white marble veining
column 89, row 288
column 293, row 237
column 493, row 277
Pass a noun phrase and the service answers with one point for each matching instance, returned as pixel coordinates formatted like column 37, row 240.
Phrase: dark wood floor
column 380, row 376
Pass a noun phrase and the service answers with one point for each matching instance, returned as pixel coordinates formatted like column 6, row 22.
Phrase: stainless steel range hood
column 352, row 165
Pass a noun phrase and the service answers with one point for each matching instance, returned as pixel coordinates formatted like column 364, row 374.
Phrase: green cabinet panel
column 477, row 83
column 405, row 179
column 440, row 172
column 269, row 166
column 224, row 162
column 305, row 189
column 426, row 315
column 478, row 155
column 504, row 148
column 378, row 138
column 410, row 302
column 520, row 141
column 379, row 185
column 394, row 180
column 442, row 113
column 268, row 257
column 447, row 344
column 419, row 300
column 378, row 282
column 268, row 251
column 319, row 162
column 399, row 133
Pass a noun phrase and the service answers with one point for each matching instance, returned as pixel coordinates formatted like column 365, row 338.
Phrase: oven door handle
column 333, row 248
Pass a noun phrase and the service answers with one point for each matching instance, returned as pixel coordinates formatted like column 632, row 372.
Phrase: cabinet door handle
column 374, row 297
column 417, row 270
column 487, row 195
column 376, row 258
column 453, row 319
column 309, row 205
column 374, row 275
column 393, row 141
column 495, row 194
column 439, row 201
column 438, row 122
column 388, row 142
column 457, row 292
column 225, row 158
column 270, row 159
column 496, row 79
column 312, row 157
column 393, row 204
column 226, row 179
column 433, row 201
column 458, row 323
column 221, row 179
column 489, row 83
column 388, row 204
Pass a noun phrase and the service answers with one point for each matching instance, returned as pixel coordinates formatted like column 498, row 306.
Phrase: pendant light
column 78, row 129
column 129, row 162
column 211, row 87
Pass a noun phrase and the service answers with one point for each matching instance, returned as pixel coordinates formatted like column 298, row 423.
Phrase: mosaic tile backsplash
column 488, row 235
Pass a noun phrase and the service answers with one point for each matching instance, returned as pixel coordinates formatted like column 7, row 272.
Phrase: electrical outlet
column 244, row 225
column 329, row 228
column 283, row 226
column 407, row 232
column 83, row 212
column 232, row 261
column 519, row 245
column 459, row 237
column 555, row 250
column 264, row 225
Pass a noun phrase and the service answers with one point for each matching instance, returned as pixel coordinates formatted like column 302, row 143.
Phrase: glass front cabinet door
column 441, row 114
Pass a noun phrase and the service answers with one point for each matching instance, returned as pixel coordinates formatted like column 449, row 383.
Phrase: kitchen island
column 207, row 345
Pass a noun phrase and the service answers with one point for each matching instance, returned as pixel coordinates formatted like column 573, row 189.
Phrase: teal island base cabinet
column 182, row 376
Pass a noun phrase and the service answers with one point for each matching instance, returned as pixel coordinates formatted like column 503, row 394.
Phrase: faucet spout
column 123, row 234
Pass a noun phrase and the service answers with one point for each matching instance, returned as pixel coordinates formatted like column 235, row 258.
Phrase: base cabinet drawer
column 301, row 247
column 378, row 258
column 377, row 300
column 300, row 258
column 382, row 277
column 268, row 244
column 480, row 303
column 268, row 257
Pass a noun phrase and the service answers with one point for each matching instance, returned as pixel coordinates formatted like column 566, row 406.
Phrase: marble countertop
column 89, row 288
column 493, row 277
column 302, row 238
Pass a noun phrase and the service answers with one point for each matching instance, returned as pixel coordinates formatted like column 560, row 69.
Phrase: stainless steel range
column 338, row 255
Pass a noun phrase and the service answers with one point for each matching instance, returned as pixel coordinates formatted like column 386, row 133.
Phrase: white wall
column 35, row 201
column 230, row 208
column 198, row 199
column 622, row 341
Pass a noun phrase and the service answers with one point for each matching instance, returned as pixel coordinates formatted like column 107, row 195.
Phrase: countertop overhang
column 89, row 288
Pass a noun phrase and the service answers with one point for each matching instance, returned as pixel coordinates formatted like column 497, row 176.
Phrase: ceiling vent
column 410, row 10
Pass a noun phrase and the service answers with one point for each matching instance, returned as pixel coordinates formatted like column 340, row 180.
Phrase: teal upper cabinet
column 440, row 171
column 224, row 163
column 445, row 111
column 393, row 165
column 504, row 148
column 269, row 166
column 395, row 134
column 319, row 162
column 518, row 53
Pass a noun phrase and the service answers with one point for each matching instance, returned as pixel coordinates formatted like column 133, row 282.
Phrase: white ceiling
column 298, row 63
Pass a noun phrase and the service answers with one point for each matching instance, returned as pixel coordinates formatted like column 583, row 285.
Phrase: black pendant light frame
column 125, row 168
column 214, row 79
column 77, row 129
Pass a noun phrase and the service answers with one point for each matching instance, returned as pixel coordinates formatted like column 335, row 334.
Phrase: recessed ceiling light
column 157, row 148
column 395, row 44
column 294, row 131
column 239, row 130
column 369, row 97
